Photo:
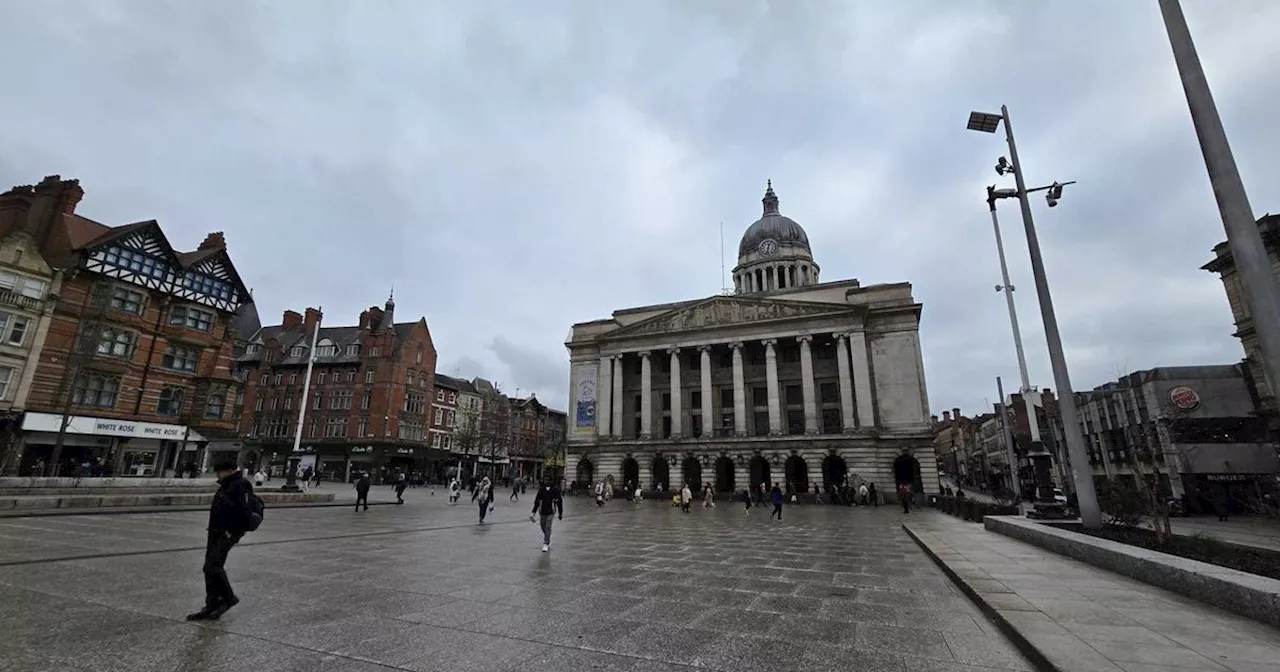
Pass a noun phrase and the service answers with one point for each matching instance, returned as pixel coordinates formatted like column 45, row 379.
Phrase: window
column 415, row 403
column 452, row 419
column 326, row 350
column 6, row 376
column 794, row 395
column 182, row 358
column 829, row 393
column 319, row 401
column 293, row 379
column 453, row 397
column 138, row 262
column 96, row 390
column 448, row 442
column 419, row 354
column 13, row 328
column 313, row 428
column 695, row 401
column 411, row 431
column 114, row 342
column 439, row 395
column 288, row 403
column 335, row 428
column 364, row 402
column 253, row 349
column 275, row 402
column 351, row 376
column 362, row 428
column 341, row 401
column 263, row 382
column 277, row 379
column 439, row 417
column 191, row 318
column 368, row 376
column 320, row 378
column 296, row 351
column 760, row 396
column 31, row 288
column 257, row 405
column 170, row 401
column 199, row 282
column 127, row 300
column 726, row 398
column 353, row 350
column 373, row 352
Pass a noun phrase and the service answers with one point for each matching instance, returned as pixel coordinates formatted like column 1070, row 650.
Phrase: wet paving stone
column 627, row 588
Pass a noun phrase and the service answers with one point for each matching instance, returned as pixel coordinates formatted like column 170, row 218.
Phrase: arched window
column 170, row 401
column 213, row 406
column 326, row 348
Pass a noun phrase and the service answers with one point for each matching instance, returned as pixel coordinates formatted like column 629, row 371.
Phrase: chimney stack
column 214, row 241
column 364, row 320
column 291, row 319
column 946, row 416
column 312, row 317
column 955, row 413
column 375, row 317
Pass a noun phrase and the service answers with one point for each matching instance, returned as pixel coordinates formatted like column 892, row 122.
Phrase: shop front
column 110, row 447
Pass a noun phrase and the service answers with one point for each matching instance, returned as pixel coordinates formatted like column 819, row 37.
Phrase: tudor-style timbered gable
column 140, row 254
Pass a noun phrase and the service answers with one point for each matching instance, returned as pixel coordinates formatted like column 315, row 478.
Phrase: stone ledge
column 1249, row 595
column 80, row 502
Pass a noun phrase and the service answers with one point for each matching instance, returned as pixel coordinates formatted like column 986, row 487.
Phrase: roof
column 341, row 337
column 456, row 384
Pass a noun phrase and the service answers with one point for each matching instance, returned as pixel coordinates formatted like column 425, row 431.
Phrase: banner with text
column 584, row 376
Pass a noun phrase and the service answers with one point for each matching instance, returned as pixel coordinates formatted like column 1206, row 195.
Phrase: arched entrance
column 724, row 474
column 759, row 471
column 691, row 470
column 586, row 472
column 834, row 471
column 661, row 472
column 630, row 473
column 797, row 474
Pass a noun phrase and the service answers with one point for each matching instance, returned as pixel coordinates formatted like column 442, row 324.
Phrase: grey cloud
column 515, row 168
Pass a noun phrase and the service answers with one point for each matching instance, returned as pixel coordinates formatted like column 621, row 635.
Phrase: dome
column 772, row 226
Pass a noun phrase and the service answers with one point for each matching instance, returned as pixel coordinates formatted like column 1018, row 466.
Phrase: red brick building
column 368, row 403
column 134, row 375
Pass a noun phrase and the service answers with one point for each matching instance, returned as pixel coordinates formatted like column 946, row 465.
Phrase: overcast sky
column 515, row 167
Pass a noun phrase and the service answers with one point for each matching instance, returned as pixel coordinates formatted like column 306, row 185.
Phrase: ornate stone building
column 787, row 380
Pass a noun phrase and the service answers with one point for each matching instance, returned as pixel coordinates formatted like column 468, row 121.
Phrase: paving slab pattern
column 1086, row 619
column 629, row 588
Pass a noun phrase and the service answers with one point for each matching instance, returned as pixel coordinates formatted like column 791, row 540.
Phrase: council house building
column 787, row 379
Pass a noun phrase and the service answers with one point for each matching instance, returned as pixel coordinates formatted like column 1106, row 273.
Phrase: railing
column 11, row 298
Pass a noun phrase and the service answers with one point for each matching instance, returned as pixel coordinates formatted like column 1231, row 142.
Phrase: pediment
column 727, row 311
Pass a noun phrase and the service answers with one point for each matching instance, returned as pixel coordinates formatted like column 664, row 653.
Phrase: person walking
column 600, row 494
column 455, row 490
column 871, row 492
column 362, row 491
column 904, row 475
column 229, row 519
column 515, row 492
column 864, row 493
column 547, row 503
column 746, row 499
column 776, row 496
column 686, row 498
column 402, row 482
column 484, row 495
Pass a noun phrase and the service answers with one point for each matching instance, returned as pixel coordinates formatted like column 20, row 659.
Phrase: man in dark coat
column 547, row 505
column 362, row 491
column 228, row 520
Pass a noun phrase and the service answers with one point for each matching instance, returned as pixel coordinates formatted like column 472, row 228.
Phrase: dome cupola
column 774, row 252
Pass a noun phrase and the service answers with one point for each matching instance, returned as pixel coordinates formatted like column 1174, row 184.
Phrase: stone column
column 646, row 396
column 739, row 392
column 676, row 413
column 604, row 397
column 846, row 384
column 618, row 370
column 810, row 400
column 708, row 421
column 862, row 378
column 771, row 376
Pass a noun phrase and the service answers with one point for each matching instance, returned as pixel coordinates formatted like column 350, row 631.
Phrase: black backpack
column 257, row 508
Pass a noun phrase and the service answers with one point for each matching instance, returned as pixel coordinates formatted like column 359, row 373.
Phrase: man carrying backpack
column 235, row 510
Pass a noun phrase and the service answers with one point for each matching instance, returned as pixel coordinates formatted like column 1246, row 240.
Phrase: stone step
column 95, row 490
column 45, row 502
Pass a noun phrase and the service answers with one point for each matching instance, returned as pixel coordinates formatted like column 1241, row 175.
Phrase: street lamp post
column 1090, row 515
column 1247, row 248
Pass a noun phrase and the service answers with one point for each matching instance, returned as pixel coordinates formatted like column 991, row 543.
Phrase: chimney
column 375, row 317
column 214, row 241
column 955, row 413
column 933, row 419
column 946, row 416
column 51, row 198
column 312, row 317
column 364, row 320
column 291, row 319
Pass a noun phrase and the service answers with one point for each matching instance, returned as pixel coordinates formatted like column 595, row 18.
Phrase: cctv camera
column 1054, row 193
column 1053, row 202
column 1002, row 166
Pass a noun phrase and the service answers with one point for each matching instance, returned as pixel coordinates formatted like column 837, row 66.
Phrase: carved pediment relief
column 723, row 311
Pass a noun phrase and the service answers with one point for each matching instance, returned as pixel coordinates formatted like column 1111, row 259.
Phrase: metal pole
column 1010, row 454
column 1090, row 515
column 1247, row 249
column 1027, row 394
column 291, row 462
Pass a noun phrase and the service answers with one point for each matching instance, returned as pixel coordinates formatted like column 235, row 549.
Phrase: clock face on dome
column 768, row 247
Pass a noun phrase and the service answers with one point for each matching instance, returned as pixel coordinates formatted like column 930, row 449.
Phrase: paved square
column 629, row 587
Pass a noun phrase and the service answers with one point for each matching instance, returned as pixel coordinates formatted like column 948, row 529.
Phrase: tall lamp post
column 1247, row 248
column 1090, row 515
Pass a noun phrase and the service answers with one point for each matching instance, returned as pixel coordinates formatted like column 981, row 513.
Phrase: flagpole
column 291, row 483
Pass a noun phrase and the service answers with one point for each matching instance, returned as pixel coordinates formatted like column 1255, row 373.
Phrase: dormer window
column 326, row 348
column 297, row 351
column 353, row 350
column 253, row 349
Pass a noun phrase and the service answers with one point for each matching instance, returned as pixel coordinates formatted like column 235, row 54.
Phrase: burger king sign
column 1184, row 398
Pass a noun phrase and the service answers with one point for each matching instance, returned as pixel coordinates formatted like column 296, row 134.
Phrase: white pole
column 306, row 382
column 1028, row 395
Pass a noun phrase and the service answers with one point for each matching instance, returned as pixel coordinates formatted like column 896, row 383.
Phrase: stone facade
column 810, row 383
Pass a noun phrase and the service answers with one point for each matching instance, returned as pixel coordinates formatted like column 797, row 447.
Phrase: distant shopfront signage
column 129, row 429
column 1234, row 478
column 1184, row 398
